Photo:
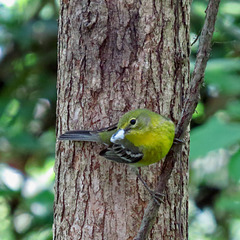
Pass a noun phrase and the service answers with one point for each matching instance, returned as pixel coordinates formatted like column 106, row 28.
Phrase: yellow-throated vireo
column 140, row 138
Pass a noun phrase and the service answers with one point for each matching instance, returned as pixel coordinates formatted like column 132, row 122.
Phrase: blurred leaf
column 24, row 142
column 228, row 203
column 213, row 135
column 234, row 167
column 223, row 73
column 230, row 7
column 233, row 109
column 9, row 112
column 199, row 112
column 44, row 197
column 42, row 234
column 45, row 171
column 5, row 226
column 7, row 192
column 220, row 92
column 28, row 40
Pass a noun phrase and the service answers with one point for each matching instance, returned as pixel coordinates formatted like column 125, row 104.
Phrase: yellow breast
column 155, row 143
column 143, row 139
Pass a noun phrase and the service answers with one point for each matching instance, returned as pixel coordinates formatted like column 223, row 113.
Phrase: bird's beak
column 117, row 136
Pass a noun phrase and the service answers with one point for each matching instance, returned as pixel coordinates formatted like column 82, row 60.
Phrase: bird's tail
column 86, row 136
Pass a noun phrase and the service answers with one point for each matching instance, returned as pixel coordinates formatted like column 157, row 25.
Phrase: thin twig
column 195, row 40
column 185, row 118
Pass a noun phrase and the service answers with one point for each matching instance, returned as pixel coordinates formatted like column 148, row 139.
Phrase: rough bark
column 190, row 103
column 115, row 56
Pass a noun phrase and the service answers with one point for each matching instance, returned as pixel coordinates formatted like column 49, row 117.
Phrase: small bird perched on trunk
column 140, row 138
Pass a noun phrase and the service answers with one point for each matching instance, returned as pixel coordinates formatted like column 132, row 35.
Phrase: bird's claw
column 157, row 196
column 178, row 141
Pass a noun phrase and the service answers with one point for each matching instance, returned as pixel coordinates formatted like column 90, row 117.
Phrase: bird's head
column 133, row 121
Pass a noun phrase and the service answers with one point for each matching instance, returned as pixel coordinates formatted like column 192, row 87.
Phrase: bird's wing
column 122, row 154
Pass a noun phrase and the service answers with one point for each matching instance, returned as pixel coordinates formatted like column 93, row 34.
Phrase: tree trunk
column 114, row 56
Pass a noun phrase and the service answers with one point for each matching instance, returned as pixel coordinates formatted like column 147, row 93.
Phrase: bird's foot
column 178, row 141
column 157, row 196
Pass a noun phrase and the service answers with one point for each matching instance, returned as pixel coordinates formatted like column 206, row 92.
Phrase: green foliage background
column 28, row 43
column 28, row 39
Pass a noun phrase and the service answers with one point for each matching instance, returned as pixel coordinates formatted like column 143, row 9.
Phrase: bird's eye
column 133, row 121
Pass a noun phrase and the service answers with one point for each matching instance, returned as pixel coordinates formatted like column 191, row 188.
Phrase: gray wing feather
column 87, row 136
column 78, row 135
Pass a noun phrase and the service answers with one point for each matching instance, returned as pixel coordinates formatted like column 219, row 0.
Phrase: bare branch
column 185, row 118
column 200, row 66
